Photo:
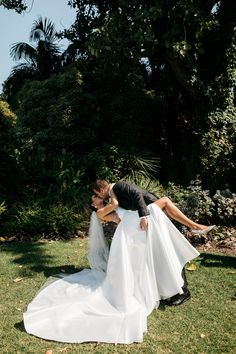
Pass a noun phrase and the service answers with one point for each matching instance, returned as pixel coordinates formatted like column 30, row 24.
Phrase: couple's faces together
column 102, row 193
column 98, row 197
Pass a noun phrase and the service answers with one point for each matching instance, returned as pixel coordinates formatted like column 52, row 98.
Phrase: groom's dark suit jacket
column 132, row 197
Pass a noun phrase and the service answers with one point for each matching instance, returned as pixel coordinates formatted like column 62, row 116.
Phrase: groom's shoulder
column 121, row 185
column 126, row 186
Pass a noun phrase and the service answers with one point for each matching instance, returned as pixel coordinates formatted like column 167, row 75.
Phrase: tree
column 40, row 59
column 163, row 64
column 17, row 5
column 8, row 170
column 177, row 52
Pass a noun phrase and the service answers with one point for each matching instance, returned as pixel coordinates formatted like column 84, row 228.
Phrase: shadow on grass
column 54, row 271
column 33, row 255
column 217, row 260
column 20, row 326
column 26, row 253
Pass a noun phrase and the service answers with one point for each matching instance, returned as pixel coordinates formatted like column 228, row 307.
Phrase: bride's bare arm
column 112, row 217
column 108, row 209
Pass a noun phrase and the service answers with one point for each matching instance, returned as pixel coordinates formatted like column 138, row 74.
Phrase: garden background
column 145, row 91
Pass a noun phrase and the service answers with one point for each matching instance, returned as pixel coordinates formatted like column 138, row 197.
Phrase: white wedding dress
column 112, row 306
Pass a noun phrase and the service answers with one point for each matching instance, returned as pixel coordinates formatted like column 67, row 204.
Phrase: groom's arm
column 136, row 195
column 131, row 197
column 139, row 202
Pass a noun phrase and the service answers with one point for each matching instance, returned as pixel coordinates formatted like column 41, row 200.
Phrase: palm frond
column 148, row 184
column 18, row 75
column 37, row 36
column 45, row 57
column 23, row 70
column 136, row 167
column 52, row 48
column 22, row 50
column 43, row 29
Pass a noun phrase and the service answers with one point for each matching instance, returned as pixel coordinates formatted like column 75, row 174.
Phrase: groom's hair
column 98, row 184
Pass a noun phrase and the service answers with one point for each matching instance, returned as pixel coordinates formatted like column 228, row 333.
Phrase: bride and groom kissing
column 110, row 301
column 131, row 197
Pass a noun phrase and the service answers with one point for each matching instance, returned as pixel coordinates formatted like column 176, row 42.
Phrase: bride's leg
column 171, row 210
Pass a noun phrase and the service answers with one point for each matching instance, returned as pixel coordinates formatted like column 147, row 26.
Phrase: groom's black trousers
column 185, row 280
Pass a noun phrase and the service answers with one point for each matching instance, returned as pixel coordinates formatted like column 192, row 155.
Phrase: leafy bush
column 25, row 220
column 198, row 205
column 62, row 220
column 37, row 221
column 3, row 208
column 225, row 202
column 218, row 157
column 175, row 192
column 8, row 166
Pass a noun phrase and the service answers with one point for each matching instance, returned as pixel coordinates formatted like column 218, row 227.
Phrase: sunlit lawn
column 205, row 324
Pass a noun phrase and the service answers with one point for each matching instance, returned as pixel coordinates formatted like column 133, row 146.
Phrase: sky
column 16, row 27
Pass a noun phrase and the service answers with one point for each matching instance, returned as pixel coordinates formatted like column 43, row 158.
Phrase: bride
column 110, row 302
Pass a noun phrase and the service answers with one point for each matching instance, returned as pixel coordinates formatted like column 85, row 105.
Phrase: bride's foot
column 202, row 230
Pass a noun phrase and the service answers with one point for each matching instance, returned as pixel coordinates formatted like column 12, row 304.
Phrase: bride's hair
column 91, row 206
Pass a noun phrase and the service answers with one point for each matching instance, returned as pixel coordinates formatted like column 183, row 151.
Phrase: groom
column 131, row 197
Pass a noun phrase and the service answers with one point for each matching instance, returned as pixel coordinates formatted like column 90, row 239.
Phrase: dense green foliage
column 41, row 58
column 144, row 90
column 168, row 65
column 8, row 165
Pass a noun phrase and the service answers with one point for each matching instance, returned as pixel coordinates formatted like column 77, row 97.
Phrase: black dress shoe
column 178, row 299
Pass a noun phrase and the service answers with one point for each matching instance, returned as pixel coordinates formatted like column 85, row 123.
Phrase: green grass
column 204, row 325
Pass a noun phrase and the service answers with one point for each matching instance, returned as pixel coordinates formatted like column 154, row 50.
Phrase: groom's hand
column 143, row 223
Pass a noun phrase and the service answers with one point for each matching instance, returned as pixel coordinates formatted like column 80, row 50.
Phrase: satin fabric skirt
column 113, row 307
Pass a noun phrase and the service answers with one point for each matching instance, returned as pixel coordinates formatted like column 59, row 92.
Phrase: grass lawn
column 204, row 325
